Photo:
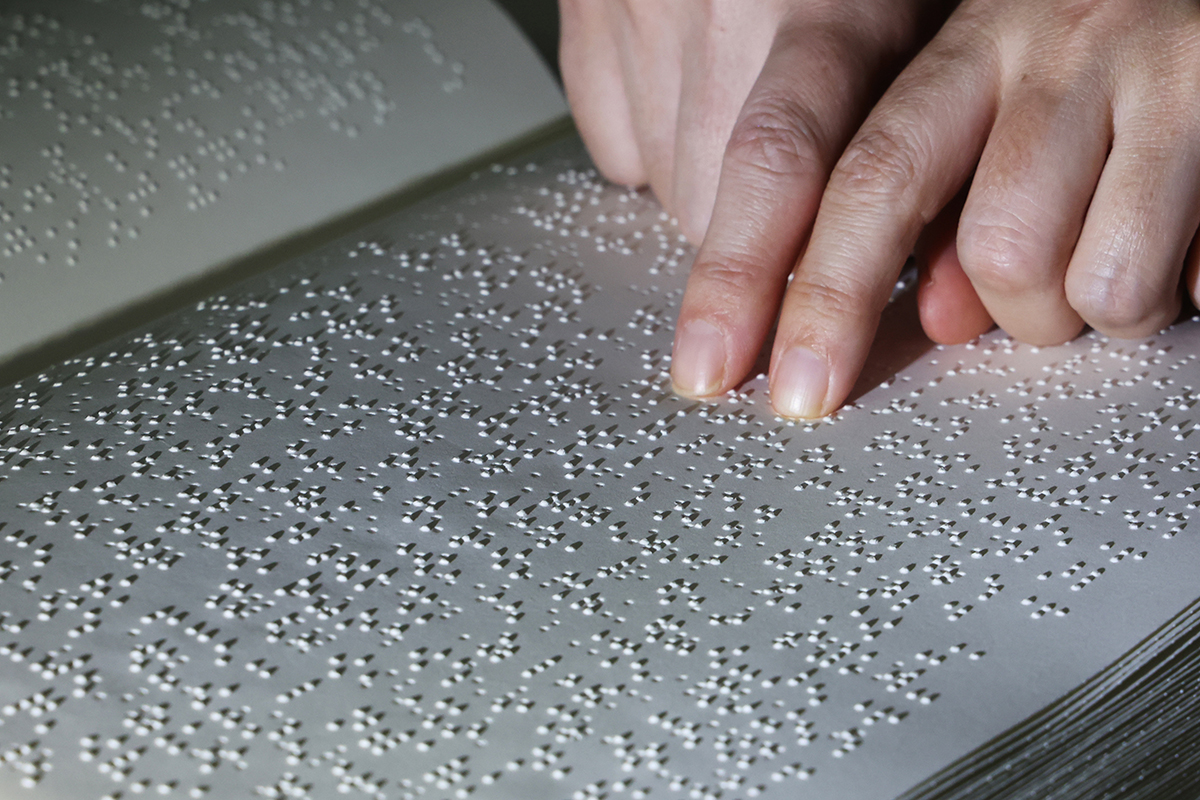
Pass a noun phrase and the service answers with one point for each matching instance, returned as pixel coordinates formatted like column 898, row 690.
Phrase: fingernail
column 698, row 363
column 800, row 384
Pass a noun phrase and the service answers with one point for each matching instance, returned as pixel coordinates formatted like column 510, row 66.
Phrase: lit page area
column 418, row 516
column 146, row 143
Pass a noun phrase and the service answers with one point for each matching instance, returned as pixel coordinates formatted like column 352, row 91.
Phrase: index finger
column 775, row 166
column 907, row 161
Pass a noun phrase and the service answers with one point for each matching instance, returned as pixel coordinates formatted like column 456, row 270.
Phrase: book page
column 146, row 143
column 419, row 516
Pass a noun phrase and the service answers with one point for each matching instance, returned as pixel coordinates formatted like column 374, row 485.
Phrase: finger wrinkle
column 726, row 279
column 779, row 136
column 837, row 298
column 882, row 162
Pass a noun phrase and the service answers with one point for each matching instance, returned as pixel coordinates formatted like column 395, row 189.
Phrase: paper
column 418, row 516
column 148, row 143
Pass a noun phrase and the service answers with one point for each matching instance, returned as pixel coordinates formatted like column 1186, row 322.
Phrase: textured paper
column 146, row 143
column 418, row 516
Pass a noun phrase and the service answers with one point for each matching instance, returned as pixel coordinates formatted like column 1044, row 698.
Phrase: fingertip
column 621, row 169
column 949, row 307
column 693, row 213
column 800, row 384
column 698, row 362
column 697, row 173
column 611, row 144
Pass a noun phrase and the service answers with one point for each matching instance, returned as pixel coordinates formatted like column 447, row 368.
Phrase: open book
column 414, row 514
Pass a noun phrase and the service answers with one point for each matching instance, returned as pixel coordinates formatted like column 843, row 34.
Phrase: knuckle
column 778, row 137
column 1118, row 304
column 879, row 161
column 998, row 255
column 836, row 298
column 734, row 277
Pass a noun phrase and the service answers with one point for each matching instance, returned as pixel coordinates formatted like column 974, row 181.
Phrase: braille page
column 148, row 142
column 418, row 516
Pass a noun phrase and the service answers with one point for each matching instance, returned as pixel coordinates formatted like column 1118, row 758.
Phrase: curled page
column 148, row 143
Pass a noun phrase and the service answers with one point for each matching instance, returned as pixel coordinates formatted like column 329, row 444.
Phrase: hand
column 1076, row 125
column 657, row 86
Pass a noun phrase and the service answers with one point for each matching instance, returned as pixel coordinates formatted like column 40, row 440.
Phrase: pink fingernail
column 698, row 363
column 800, row 384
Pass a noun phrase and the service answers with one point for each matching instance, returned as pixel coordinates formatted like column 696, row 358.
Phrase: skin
column 1042, row 157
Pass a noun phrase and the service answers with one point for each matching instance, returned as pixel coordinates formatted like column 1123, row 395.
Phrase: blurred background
column 539, row 20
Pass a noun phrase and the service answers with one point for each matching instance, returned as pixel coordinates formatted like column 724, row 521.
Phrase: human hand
column 1077, row 127
column 657, row 86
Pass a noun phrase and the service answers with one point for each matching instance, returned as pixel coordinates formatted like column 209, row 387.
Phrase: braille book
column 413, row 513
